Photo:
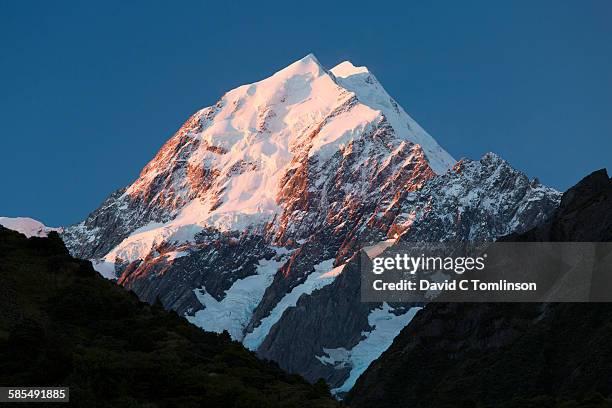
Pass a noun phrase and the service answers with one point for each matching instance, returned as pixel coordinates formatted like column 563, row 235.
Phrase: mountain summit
column 233, row 165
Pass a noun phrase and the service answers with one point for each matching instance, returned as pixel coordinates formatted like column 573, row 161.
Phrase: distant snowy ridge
column 27, row 226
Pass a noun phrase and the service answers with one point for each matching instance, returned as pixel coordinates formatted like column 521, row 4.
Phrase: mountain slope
column 62, row 324
column 507, row 354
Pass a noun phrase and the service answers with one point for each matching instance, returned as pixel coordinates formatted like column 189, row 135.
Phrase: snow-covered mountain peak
column 298, row 76
column 306, row 65
column 251, row 216
column 256, row 159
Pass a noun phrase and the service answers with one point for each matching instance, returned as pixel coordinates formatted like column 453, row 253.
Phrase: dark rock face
column 321, row 246
column 584, row 214
column 337, row 317
column 85, row 243
column 506, row 354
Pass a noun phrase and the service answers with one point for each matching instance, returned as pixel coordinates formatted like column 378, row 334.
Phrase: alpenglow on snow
column 250, row 217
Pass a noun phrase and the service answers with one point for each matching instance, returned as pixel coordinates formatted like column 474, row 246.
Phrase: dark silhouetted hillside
column 63, row 324
column 507, row 355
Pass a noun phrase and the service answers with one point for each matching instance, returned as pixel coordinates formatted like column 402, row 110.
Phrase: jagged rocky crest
column 249, row 217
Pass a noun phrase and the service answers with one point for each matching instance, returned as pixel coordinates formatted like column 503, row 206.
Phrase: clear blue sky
column 89, row 92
